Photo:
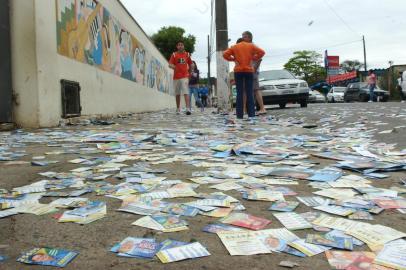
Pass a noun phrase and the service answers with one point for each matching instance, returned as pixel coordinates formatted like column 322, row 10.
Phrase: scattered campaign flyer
column 47, row 257
column 314, row 201
column 336, row 210
column 293, row 221
column 336, row 193
column 284, row 206
column 343, row 260
column 294, row 252
column 337, row 233
column 326, row 175
column 243, row 243
column 92, row 211
column 140, row 209
column 169, row 243
column 307, row 248
column 281, row 233
column 218, row 212
column 330, row 241
column 273, row 243
column 164, row 223
column 180, row 253
column 393, row 255
column 218, row 227
column 137, row 248
column 246, row 221
column 8, row 212
column 181, row 209
column 36, row 208
column 226, row 186
column 263, row 195
column 375, row 236
column 170, row 222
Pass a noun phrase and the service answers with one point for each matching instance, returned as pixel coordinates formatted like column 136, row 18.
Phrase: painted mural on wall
column 88, row 33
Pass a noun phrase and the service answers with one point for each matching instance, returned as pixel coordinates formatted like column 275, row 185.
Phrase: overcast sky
column 284, row 26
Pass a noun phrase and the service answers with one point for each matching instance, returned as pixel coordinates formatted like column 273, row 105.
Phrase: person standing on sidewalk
column 248, row 37
column 399, row 87
column 194, row 86
column 181, row 63
column 243, row 54
column 371, row 80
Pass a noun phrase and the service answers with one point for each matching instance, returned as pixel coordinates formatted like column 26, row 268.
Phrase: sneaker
column 188, row 112
column 402, row 101
column 370, row 101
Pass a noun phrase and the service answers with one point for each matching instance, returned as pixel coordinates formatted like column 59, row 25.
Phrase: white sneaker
column 370, row 101
column 402, row 101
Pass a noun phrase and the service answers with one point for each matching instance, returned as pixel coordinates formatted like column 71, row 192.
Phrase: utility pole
column 365, row 54
column 208, row 65
column 223, row 80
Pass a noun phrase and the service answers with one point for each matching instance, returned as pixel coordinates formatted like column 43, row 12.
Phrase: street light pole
column 223, row 80
column 365, row 54
column 208, row 65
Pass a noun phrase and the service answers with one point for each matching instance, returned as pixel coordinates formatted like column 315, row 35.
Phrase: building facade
column 81, row 57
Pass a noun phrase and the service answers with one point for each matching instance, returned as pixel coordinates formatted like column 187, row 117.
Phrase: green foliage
column 351, row 65
column 167, row 38
column 307, row 65
column 203, row 81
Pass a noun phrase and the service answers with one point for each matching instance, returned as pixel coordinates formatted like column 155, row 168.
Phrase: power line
column 319, row 48
column 340, row 18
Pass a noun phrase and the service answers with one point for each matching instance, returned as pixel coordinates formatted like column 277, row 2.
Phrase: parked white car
column 404, row 83
column 316, row 97
column 281, row 87
column 336, row 94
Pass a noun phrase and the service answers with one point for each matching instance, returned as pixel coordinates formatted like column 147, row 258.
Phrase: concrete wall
column 24, row 63
column 39, row 64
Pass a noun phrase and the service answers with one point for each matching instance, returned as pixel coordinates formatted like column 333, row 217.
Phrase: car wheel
column 282, row 105
column 303, row 104
column 363, row 98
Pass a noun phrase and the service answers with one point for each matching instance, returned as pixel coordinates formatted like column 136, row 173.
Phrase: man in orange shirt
column 243, row 54
column 181, row 62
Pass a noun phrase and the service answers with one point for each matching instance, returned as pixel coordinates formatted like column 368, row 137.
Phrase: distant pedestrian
column 243, row 54
column 248, row 37
column 371, row 80
column 204, row 93
column 194, row 86
column 400, row 87
column 181, row 63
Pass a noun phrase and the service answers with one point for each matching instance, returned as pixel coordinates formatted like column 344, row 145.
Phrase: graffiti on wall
column 88, row 33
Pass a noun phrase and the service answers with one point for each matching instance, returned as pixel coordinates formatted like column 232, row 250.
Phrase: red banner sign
column 333, row 61
column 342, row 77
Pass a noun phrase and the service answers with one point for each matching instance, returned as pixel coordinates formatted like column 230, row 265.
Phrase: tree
column 351, row 65
column 167, row 38
column 307, row 65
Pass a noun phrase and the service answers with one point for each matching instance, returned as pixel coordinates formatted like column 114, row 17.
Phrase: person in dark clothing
column 399, row 87
column 203, row 95
column 242, row 54
column 194, row 86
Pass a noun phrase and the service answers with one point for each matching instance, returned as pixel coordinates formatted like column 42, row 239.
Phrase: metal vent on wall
column 70, row 99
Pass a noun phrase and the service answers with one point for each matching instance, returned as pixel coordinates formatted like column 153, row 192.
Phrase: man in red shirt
column 181, row 62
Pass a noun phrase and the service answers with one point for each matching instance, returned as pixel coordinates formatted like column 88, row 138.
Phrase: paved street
column 182, row 148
